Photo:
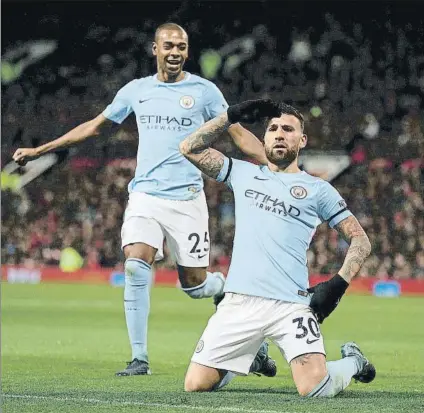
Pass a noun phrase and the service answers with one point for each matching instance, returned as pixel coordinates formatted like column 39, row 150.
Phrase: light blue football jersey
column 276, row 216
column 166, row 114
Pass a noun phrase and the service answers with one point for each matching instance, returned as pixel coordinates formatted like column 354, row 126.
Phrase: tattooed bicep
column 349, row 228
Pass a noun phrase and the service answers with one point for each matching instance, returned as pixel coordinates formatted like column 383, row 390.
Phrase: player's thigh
column 232, row 337
column 186, row 225
column 295, row 330
column 140, row 251
column 202, row 378
column 141, row 233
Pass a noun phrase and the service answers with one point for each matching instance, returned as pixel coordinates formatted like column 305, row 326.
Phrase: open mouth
column 280, row 146
column 174, row 63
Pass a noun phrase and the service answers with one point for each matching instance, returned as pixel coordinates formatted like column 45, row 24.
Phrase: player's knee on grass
column 140, row 251
column 308, row 371
column 201, row 378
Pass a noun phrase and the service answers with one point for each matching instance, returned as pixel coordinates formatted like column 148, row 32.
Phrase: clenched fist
column 24, row 155
column 251, row 111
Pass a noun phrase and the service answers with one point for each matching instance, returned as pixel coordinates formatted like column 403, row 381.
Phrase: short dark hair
column 286, row 109
column 168, row 26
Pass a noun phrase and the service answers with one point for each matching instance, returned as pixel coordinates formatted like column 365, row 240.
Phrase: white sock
column 214, row 284
column 225, row 380
column 339, row 376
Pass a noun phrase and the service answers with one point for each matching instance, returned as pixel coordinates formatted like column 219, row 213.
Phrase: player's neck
column 164, row 77
column 291, row 168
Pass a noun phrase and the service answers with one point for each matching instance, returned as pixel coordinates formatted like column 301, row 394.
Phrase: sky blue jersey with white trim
column 166, row 114
column 276, row 216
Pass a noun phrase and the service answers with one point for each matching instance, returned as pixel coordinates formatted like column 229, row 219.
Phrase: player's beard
column 281, row 160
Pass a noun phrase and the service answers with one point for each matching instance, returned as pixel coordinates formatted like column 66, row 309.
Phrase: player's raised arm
column 197, row 146
column 76, row 135
column 245, row 140
column 248, row 143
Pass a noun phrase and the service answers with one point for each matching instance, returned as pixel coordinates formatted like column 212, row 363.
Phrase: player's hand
column 252, row 111
column 24, row 155
column 326, row 296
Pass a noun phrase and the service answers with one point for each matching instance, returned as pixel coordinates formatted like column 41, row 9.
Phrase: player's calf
column 198, row 283
column 338, row 373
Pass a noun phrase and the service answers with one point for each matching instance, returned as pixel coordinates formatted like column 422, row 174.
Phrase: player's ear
column 154, row 49
column 303, row 141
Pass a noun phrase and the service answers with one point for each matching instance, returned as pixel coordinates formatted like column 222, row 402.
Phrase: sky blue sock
column 214, row 284
column 138, row 275
column 339, row 375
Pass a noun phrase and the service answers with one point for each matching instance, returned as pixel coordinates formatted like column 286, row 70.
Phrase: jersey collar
column 187, row 76
column 280, row 175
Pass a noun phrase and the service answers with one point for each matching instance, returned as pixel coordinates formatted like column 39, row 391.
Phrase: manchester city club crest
column 187, row 102
column 199, row 346
column 298, row 192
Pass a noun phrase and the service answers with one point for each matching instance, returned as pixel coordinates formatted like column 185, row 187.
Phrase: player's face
column 283, row 139
column 171, row 51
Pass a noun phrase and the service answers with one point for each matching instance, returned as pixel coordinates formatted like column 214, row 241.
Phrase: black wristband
column 338, row 284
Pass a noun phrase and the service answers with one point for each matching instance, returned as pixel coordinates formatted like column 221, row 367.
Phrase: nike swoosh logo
column 201, row 256
column 311, row 341
column 261, row 179
column 142, row 101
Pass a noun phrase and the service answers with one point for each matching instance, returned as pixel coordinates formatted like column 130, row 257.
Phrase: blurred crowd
column 358, row 81
column 81, row 205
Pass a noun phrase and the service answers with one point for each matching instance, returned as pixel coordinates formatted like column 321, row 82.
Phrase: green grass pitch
column 61, row 345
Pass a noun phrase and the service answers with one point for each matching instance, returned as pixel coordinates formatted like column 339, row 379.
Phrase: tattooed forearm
column 209, row 161
column 197, row 147
column 204, row 137
column 359, row 249
column 349, row 228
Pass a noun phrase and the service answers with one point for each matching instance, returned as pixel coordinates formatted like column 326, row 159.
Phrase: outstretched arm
column 76, row 135
column 197, row 146
column 359, row 247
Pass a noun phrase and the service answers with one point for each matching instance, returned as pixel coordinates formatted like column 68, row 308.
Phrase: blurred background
column 358, row 78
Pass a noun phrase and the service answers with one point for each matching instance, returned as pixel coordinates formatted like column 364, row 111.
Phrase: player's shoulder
column 314, row 180
column 315, row 187
column 322, row 189
column 245, row 164
column 198, row 79
column 245, row 168
column 146, row 80
column 202, row 82
column 134, row 84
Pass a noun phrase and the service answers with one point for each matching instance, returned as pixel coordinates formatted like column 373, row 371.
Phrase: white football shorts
column 184, row 224
column 235, row 332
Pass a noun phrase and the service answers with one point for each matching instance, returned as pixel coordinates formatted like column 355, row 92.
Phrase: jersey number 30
column 313, row 329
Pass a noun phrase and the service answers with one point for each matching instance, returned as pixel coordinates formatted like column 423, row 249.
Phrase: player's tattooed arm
column 248, row 143
column 197, row 146
column 359, row 247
